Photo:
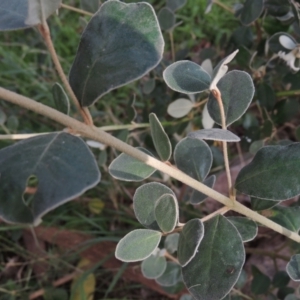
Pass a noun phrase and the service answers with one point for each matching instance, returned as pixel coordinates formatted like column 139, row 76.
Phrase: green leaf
column 214, row 134
column 281, row 279
column 276, row 44
column 64, row 166
column 154, row 266
column 217, row 265
column 144, row 201
column 160, row 138
column 12, row 123
column 171, row 276
column 189, row 240
column 149, row 86
column 127, row 168
column 166, row 212
column 40, row 10
column 175, row 4
column 137, row 245
column 121, row 43
column 186, row 77
column 221, row 69
column 293, row 267
column 198, row 197
column 237, row 91
column 278, row 168
column 166, row 19
column 171, row 242
column 246, row 227
column 260, row 283
column 251, row 11
column 13, row 14
column 266, row 96
column 180, row 108
column 61, row 99
column 262, row 204
column 193, row 157
column 287, row 217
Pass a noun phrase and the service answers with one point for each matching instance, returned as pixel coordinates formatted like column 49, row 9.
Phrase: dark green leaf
column 198, row 197
column 293, row 267
column 154, row 266
column 61, row 99
column 281, row 279
column 278, row 168
column 262, row 204
column 189, row 240
column 13, row 14
column 171, row 275
column 237, row 91
column 277, row 8
column 127, row 168
column 242, row 280
column 266, row 96
column 255, row 146
column 171, row 242
column 121, row 43
column 149, row 86
column 275, row 42
column 160, row 138
column 287, row 217
column 64, row 166
column 193, row 157
column 175, row 4
column 2, row 117
column 251, row 11
column 215, row 134
column 166, row 212
column 40, row 10
column 137, row 245
column 166, row 18
column 246, row 227
column 12, row 123
column 260, row 283
column 186, row 77
column 144, row 201
column 90, row 5
column 216, row 267
column 285, row 291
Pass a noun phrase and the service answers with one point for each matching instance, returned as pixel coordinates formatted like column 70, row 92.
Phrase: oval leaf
column 278, row 168
column 180, row 108
column 266, row 96
column 171, row 275
column 262, row 204
column 61, row 99
column 186, row 77
column 293, row 267
column 40, row 10
column 127, row 168
column 63, row 164
column 276, row 42
column 216, row 267
column 237, row 91
column 175, row 4
column 109, row 53
column 137, row 245
column 246, row 227
column 144, row 201
column 189, row 240
column 198, row 197
column 154, row 266
column 215, row 134
column 171, row 242
column 166, row 212
column 207, row 121
column 251, row 11
column 160, row 138
column 193, row 157
column 166, row 18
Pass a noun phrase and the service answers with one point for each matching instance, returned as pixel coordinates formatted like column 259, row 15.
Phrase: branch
column 105, row 138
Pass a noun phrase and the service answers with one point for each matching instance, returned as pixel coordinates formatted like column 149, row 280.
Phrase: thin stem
column 78, row 10
column 220, row 211
column 171, row 257
column 241, row 294
column 223, row 6
column 45, row 32
column 217, row 95
column 172, row 45
column 105, row 138
column 288, row 93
